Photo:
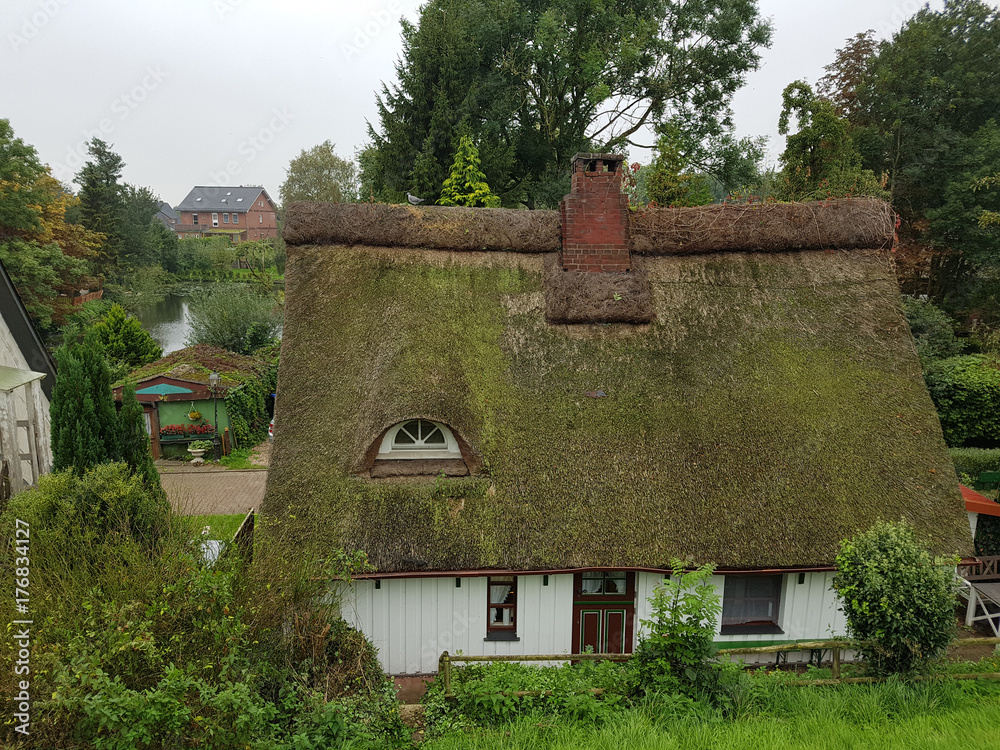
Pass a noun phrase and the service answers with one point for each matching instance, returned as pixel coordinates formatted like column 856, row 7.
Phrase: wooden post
column 836, row 663
column 444, row 668
column 8, row 442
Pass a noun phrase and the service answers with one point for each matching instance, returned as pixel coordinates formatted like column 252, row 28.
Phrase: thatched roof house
column 746, row 394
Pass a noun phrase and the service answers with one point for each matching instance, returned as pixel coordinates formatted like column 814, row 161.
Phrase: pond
column 168, row 322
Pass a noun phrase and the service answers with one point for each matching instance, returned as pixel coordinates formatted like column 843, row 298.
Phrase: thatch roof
column 196, row 363
column 773, row 407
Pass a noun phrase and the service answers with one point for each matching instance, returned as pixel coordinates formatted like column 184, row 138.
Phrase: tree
column 44, row 255
column 667, row 182
column 819, row 160
column 234, row 317
column 134, row 439
column 933, row 330
column 127, row 345
column 466, row 185
column 319, row 175
column 102, row 200
column 845, row 74
column 534, row 81
column 899, row 602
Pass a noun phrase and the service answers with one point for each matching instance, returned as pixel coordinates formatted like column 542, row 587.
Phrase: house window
column 225, row 218
column 419, row 439
column 215, row 220
column 261, row 218
column 501, row 608
column 750, row 604
column 604, row 582
column 236, row 218
column 194, row 218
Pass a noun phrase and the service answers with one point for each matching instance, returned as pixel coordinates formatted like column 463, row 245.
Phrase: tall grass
column 886, row 716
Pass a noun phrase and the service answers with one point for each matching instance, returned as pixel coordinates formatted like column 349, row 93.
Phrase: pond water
column 168, row 322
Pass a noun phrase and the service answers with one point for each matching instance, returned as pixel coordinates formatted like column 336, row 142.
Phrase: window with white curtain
column 501, row 608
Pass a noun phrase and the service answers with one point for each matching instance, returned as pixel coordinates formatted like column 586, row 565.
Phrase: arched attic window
column 419, row 446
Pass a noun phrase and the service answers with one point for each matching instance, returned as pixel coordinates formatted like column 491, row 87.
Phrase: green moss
column 773, row 408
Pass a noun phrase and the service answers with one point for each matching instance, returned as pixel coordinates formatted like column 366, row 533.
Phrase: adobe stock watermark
column 33, row 24
column 447, row 640
column 901, row 13
column 222, row 7
column 253, row 145
column 363, row 34
column 122, row 106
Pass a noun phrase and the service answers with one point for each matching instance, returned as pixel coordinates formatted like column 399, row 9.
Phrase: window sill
column 752, row 629
column 501, row 636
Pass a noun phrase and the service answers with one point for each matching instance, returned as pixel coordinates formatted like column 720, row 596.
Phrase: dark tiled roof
column 212, row 198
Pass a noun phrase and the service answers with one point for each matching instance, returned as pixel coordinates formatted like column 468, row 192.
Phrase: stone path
column 211, row 490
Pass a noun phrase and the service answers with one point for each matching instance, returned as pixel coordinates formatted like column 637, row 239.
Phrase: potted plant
column 194, row 415
column 198, row 448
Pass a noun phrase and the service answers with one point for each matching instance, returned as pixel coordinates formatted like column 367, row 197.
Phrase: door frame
column 605, row 604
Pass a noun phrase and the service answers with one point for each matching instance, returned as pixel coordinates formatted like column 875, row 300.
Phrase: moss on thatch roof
column 773, row 407
column 196, row 363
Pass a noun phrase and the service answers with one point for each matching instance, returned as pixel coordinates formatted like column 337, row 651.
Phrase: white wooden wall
column 412, row 620
column 27, row 404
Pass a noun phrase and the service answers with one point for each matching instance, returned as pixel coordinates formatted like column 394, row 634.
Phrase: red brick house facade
column 242, row 213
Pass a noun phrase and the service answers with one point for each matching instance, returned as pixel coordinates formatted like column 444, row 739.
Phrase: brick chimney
column 594, row 218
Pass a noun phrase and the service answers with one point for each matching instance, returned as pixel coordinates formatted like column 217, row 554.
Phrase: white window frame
column 215, row 220
column 225, row 218
column 388, row 451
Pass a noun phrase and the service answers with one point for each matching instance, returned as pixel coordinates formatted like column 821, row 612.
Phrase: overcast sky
column 217, row 92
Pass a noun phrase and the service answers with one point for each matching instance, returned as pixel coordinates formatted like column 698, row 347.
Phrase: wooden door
column 603, row 611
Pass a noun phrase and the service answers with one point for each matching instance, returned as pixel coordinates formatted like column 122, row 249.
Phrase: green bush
column 679, row 644
column 486, row 695
column 966, row 392
column 233, row 316
column 974, row 461
column 899, row 602
column 933, row 330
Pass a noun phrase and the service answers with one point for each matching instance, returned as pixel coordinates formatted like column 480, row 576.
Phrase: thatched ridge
column 835, row 224
column 773, row 407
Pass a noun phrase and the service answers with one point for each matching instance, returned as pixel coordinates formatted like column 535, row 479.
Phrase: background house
column 27, row 374
column 174, row 387
column 168, row 216
column 242, row 213
column 523, row 416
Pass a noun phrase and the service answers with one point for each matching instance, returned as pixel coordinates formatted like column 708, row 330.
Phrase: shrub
column 234, row 317
column 966, row 392
column 127, row 345
column 933, row 330
column 676, row 653
column 899, row 602
column 974, row 461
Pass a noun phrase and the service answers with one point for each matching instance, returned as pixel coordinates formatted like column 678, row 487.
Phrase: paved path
column 211, row 491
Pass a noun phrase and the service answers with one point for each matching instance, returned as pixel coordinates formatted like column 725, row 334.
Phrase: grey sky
column 228, row 91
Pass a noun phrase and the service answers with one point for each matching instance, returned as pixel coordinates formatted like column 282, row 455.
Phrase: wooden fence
column 834, row 646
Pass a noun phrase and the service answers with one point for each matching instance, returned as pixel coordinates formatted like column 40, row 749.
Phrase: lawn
column 220, row 527
column 761, row 713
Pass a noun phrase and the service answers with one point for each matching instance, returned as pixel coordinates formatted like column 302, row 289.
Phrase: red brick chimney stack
column 594, row 218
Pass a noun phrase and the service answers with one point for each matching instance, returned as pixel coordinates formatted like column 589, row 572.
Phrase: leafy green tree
column 819, row 160
column 319, row 175
column 899, row 602
column 922, row 105
column 235, row 317
column 667, row 181
column 535, row 81
column 127, row 345
column 466, row 185
column 42, row 253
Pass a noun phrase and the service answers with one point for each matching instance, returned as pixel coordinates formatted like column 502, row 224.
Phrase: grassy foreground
column 883, row 717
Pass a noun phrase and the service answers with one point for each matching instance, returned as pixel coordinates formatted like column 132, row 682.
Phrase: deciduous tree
column 319, row 175
column 534, row 81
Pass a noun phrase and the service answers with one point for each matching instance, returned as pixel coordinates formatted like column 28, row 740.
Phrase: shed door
column 603, row 611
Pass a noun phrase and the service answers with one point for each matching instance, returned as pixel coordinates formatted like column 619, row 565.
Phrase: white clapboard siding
column 412, row 620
